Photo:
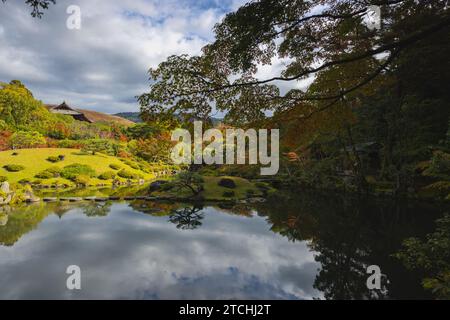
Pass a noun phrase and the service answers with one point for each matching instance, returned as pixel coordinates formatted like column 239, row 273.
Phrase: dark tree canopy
column 38, row 6
column 312, row 36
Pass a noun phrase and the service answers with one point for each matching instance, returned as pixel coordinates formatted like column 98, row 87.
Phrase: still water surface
column 298, row 248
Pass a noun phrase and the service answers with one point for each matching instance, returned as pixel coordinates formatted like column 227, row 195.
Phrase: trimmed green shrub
column 133, row 165
column 56, row 171
column 262, row 186
column 227, row 183
column 115, row 166
column 24, row 181
column 166, row 186
column 52, row 172
column 53, row 159
column 108, row 175
column 13, row 167
column 71, row 172
column 127, row 174
column 228, row 194
column 82, row 180
column 44, row 175
column 3, row 179
column 208, row 172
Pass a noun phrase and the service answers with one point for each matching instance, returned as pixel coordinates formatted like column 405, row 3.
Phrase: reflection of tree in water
column 97, row 209
column 349, row 235
column 187, row 218
column 21, row 220
column 156, row 208
column 62, row 208
column 236, row 209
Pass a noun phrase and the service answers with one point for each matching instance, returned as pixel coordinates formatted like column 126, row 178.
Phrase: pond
column 296, row 247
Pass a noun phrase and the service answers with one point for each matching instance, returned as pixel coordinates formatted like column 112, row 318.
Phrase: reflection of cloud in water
column 131, row 255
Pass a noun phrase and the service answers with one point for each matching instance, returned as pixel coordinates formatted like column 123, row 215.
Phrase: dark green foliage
column 108, row 175
column 208, row 172
column 132, row 164
column 156, row 185
column 71, row 172
column 127, row 174
column 228, row 194
column 398, row 103
column 20, row 111
column 52, row 172
column 439, row 166
column 142, row 131
column 97, row 145
column 56, row 171
column 13, row 167
column 431, row 256
column 199, row 84
column 190, row 181
column 166, row 186
column 114, row 166
column 227, row 183
column 262, row 185
column 53, row 159
column 250, row 192
column 82, row 180
column 44, row 175
column 3, row 179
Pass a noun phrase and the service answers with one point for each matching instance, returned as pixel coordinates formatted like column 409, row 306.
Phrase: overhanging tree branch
column 393, row 46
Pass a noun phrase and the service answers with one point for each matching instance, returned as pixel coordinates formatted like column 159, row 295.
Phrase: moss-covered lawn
column 35, row 161
column 214, row 192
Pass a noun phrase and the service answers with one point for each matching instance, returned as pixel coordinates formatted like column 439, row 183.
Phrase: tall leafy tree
column 313, row 37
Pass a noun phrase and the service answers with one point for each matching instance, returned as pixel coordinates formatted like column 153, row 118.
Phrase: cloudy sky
column 104, row 65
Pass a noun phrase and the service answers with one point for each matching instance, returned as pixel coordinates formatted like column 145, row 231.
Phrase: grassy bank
column 34, row 161
column 214, row 191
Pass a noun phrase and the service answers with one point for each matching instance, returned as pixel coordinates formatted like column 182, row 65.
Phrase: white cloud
column 104, row 65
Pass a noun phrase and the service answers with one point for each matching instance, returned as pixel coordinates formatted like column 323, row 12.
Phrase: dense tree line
column 384, row 89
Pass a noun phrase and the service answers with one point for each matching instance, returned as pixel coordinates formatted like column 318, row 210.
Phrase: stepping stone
column 141, row 197
column 90, row 198
column 151, row 198
column 129, row 198
column 166, row 198
column 50, row 199
column 64, row 199
column 101, row 199
column 75, row 199
column 114, row 198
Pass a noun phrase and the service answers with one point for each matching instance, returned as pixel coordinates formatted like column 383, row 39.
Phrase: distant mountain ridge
column 136, row 117
column 132, row 116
